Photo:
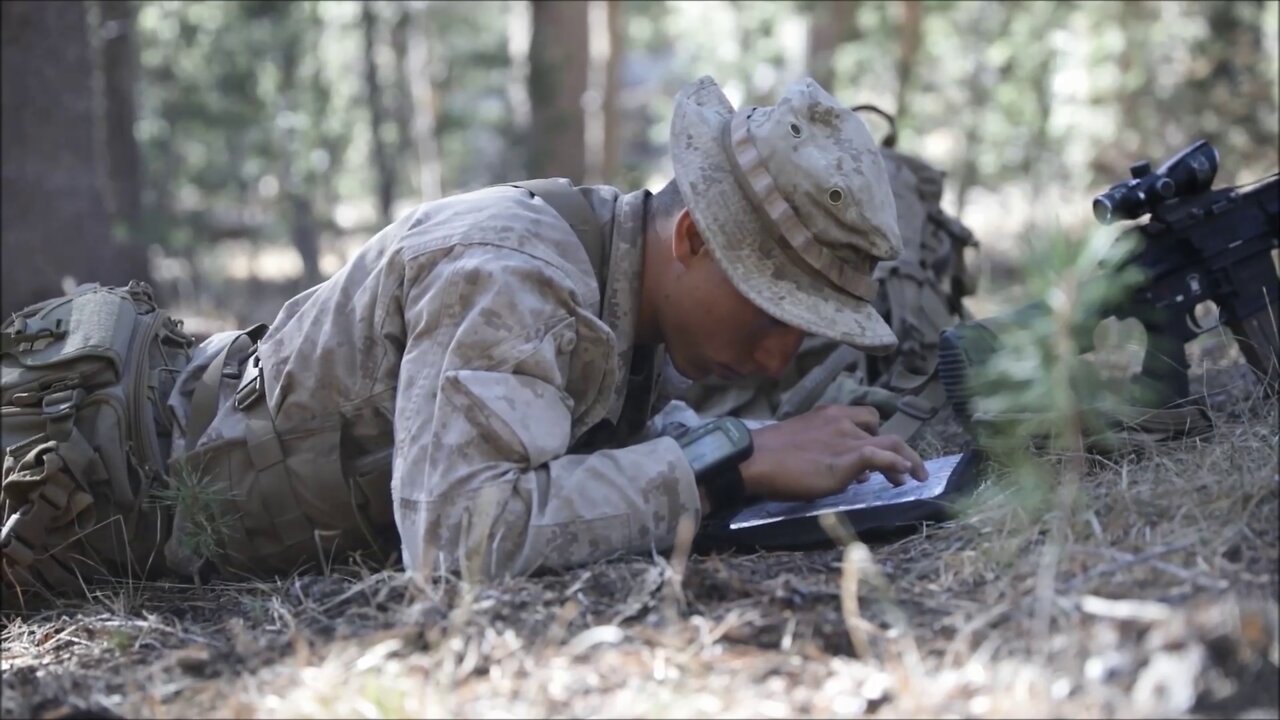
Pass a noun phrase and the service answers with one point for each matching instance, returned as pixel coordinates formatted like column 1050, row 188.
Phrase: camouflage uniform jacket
column 471, row 335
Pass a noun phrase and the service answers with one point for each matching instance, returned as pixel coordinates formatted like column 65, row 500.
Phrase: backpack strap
column 806, row 392
column 915, row 410
column 573, row 208
column 919, row 397
column 892, row 138
column 204, row 400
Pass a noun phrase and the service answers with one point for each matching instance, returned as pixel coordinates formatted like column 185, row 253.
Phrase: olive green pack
column 86, row 377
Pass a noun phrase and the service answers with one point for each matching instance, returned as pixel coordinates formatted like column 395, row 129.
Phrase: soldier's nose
column 776, row 352
column 774, row 371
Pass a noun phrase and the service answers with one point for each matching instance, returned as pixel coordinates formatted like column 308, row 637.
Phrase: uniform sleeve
column 482, row 482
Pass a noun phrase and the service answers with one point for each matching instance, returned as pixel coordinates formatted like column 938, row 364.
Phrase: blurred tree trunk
column 1234, row 46
column 601, row 100
column 322, row 186
column 613, row 69
column 373, row 92
column 519, row 35
column 831, row 24
column 908, row 50
column 119, row 55
column 294, row 193
column 1042, row 162
column 558, row 61
column 981, row 80
column 426, row 107
column 402, row 104
column 161, row 178
column 1133, row 17
column 979, row 95
column 54, row 218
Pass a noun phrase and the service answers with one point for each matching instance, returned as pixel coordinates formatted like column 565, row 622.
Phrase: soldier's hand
column 824, row 450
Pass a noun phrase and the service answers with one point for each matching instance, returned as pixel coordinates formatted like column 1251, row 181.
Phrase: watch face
column 707, row 450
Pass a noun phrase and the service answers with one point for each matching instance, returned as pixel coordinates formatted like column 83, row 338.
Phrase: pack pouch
column 83, row 384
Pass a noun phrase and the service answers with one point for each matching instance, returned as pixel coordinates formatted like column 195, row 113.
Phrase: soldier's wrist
column 755, row 474
column 715, row 451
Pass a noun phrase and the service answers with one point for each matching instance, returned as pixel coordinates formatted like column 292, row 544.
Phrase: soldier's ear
column 686, row 242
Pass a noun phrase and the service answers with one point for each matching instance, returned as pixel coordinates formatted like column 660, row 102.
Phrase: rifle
column 1198, row 244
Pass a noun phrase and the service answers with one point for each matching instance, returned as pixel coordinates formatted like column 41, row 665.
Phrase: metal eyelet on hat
column 795, row 129
column 835, row 196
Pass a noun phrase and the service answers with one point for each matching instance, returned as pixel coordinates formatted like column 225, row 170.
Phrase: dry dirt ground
column 1159, row 601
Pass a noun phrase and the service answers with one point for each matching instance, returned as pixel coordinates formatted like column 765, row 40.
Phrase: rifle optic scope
column 1190, row 171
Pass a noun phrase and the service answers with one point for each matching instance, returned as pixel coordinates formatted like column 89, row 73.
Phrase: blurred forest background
column 234, row 153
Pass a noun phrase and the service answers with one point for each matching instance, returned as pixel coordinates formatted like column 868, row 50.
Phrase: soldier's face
column 712, row 329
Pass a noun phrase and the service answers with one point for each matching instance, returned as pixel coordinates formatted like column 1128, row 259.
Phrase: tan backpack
column 83, row 393
column 922, row 292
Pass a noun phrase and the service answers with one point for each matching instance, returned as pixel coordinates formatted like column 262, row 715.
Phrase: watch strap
column 725, row 488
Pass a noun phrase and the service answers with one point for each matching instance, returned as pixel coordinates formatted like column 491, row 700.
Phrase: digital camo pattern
column 471, row 335
column 834, row 152
column 921, row 295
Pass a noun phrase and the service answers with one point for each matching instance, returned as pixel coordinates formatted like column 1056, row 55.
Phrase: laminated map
column 876, row 491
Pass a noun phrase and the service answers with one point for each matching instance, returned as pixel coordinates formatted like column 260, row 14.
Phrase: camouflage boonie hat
column 795, row 203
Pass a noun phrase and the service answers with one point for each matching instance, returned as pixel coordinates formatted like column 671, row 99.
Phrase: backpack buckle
column 29, row 331
column 251, row 386
column 916, row 407
column 31, row 398
column 61, row 402
column 59, row 410
column 11, row 546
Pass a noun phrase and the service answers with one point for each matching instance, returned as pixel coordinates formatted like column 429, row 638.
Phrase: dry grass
column 1162, row 602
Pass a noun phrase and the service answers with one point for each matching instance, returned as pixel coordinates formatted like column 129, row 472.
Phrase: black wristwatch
column 715, row 451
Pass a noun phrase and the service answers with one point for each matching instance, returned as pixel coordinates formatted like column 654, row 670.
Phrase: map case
column 874, row 507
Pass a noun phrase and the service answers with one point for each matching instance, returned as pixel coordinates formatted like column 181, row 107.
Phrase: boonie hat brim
column 745, row 245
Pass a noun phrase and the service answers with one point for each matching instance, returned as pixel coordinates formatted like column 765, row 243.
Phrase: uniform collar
column 624, row 220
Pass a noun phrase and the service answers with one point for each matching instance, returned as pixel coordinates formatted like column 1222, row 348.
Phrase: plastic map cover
column 876, row 491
